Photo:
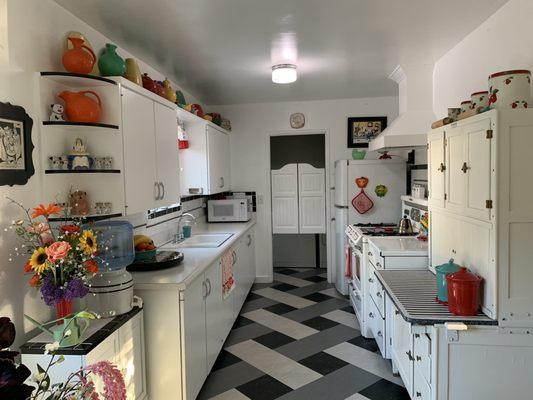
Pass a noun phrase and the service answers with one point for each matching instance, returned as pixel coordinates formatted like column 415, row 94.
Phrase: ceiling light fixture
column 284, row 73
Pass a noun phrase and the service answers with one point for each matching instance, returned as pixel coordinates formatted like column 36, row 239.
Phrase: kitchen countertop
column 405, row 246
column 195, row 259
column 414, row 292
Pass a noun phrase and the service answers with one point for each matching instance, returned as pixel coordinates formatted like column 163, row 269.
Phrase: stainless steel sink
column 207, row 240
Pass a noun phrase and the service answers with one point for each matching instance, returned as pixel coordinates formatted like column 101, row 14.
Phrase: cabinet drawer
column 376, row 291
column 421, row 389
column 422, row 351
column 374, row 256
column 406, row 263
column 377, row 326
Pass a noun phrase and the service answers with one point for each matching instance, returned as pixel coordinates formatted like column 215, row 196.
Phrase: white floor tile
column 281, row 324
column 364, row 359
column 282, row 368
column 231, row 394
column 291, row 280
column 343, row 317
column 357, row 396
column 285, row 298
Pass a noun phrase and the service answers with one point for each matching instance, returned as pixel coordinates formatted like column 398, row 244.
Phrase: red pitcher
column 80, row 59
column 79, row 107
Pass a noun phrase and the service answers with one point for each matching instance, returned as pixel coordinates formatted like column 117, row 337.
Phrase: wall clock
column 297, row 120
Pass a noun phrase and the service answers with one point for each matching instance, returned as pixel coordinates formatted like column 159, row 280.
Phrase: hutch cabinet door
column 218, row 160
column 436, row 167
column 456, row 178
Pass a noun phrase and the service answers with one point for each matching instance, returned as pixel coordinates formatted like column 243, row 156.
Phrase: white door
column 456, row 178
column 311, row 199
column 436, row 166
column 478, row 169
column 194, row 338
column 218, row 160
column 218, row 314
column 285, row 199
column 168, row 169
column 139, row 152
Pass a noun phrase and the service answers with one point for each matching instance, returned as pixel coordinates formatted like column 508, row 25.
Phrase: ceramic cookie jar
column 510, row 89
column 479, row 99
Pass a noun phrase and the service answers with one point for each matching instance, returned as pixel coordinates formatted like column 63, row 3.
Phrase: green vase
column 110, row 63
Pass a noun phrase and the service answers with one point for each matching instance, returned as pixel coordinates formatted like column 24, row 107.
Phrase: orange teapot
column 79, row 107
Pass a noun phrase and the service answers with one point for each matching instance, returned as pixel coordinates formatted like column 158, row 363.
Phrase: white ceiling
column 223, row 50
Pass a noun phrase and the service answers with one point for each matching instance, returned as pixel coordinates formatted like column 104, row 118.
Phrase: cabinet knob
column 378, row 265
column 370, row 280
column 465, row 168
column 396, row 312
column 442, row 167
column 380, row 334
column 418, row 394
column 409, row 355
column 418, row 358
column 378, row 294
column 370, row 254
column 371, row 315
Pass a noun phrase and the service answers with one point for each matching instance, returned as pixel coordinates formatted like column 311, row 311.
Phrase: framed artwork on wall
column 16, row 147
column 361, row 130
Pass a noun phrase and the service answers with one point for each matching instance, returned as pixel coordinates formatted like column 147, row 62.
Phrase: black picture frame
column 16, row 146
column 358, row 140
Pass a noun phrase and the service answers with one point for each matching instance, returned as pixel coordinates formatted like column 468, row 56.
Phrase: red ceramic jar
column 463, row 292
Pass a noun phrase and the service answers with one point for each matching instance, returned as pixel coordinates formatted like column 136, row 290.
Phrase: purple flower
column 53, row 294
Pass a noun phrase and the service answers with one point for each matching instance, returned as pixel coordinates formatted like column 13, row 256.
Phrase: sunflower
column 46, row 211
column 88, row 242
column 38, row 260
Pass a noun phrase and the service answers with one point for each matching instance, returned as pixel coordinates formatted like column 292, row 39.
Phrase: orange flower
column 27, row 267
column 34, row 281
column 92, row 266
column 46, row 211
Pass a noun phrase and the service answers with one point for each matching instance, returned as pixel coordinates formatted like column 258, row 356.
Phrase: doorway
column 298, row 201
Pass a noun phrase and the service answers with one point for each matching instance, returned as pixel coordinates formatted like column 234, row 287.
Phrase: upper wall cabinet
column 205, row 165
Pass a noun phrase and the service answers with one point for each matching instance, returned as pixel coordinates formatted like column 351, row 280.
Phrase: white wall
column 31, row 42
column 249, row 145
column 501, row 43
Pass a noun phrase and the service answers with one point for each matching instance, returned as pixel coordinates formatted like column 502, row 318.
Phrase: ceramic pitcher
column 133, row 72
column 80, row 59
column 110, row 63
column 80, row 107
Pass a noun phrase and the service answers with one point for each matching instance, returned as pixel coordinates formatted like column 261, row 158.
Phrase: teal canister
column 442, row 288
column 110, row 63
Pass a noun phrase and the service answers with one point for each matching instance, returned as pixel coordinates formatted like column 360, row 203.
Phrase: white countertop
column 195, row 259
column 400, row 246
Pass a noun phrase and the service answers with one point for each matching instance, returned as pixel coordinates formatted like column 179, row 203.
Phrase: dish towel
column 226, row 264
column 348, row 263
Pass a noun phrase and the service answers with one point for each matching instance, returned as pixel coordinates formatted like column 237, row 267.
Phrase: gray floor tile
column 316, row 310
column 310, row 289
column 257, row 304
column 228, row 378
column 336, row 386
column 246, row 332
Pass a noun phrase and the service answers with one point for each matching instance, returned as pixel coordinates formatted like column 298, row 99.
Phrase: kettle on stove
column 405, row 226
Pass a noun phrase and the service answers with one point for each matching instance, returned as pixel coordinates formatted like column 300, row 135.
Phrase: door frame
column 268, row 197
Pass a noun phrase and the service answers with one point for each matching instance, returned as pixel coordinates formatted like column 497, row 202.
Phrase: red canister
column 463, row 292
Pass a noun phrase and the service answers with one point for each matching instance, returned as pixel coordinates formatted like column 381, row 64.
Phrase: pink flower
column 57, row 251
column 43, row 230
column 114, row 387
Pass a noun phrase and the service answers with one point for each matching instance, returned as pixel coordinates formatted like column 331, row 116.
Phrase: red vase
column 63, row 308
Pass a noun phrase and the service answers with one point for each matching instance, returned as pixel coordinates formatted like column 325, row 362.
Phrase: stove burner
column 381, row 229
column 375, row 225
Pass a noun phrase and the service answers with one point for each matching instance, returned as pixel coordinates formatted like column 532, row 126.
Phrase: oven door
column 357, row 266
column 357, row 302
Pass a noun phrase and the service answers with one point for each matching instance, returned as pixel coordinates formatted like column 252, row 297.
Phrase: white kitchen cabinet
column 402, row 349
column 285, row 199
column 138, row 131
column 311, row 199
column 167, row 161
column 455, row 177
column 123, row 347
column 204, row 166
column 436, row 167
column 151, row 164
column 245, row 270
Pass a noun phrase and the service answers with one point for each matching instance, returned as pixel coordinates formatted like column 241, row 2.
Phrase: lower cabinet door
column 194, row 338
column 421, row 389
column 402, row 349
column 105, row 351
column 131, row 357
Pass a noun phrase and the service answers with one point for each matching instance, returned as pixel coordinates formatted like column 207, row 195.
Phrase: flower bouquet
column 61, row 258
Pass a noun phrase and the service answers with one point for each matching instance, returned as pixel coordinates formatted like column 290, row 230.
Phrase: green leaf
column 40, row 369
column 60, row 359
column 85, row 314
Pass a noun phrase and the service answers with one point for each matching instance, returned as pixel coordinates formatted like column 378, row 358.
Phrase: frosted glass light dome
column 284, row 73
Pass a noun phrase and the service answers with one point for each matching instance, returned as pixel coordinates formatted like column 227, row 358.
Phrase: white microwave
column 230, row 210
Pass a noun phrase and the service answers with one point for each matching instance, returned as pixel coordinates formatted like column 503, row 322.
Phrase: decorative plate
column 297, row 120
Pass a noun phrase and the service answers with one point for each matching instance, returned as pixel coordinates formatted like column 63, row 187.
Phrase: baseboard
column 264, row 279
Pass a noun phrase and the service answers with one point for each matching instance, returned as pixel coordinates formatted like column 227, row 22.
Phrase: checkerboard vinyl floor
column 297, row 338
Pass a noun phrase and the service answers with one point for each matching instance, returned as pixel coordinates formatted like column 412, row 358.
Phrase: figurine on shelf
column 57, row 112
column 79, row 203
column 78, row 157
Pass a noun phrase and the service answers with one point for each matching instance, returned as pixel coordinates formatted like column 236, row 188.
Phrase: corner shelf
column 86, row 218
column 81, row 80
column 86, row 124
column 82, row 171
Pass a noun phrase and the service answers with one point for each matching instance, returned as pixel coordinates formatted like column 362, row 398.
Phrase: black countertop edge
column 432, row 321
column 89, row 344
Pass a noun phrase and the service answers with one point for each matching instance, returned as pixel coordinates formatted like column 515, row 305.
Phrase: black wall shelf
column 82, row 171
column 87, row 124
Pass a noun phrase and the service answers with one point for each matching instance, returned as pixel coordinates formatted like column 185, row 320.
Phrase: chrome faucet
column 178, row 237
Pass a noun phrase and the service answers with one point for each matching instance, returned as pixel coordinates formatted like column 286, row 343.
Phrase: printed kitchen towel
column 226, row 264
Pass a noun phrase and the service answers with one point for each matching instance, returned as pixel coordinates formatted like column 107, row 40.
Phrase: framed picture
column 16, row 147
column 362, row 130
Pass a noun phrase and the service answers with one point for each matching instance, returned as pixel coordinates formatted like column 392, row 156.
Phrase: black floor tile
column 225, row 359
column 285, row 271
column 241, row 321
column 385, row 390
column 323, row 363
column 368, row 344
column 320, row 323
column 253, row 296
column 280, row 308
column 315, row 279
column 274, row 339
column 348, row 309
column 284, row 287
column 264, row 388
column 318, row 297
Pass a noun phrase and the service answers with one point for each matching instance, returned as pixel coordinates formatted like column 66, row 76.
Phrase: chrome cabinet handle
column 465, row 168
column 208, row 283
column 157, row 191
column 204, row 290
column 163, row 186
column 409, row 355
column 234, row 256
column 221, row 179
column 249, row 241
column 442, row 167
